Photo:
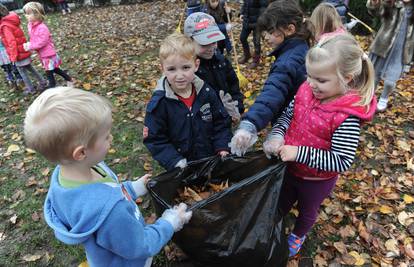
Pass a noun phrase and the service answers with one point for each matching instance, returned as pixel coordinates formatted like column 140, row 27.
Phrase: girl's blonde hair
column 350, row 61
column 36, row 9
column 325, row 19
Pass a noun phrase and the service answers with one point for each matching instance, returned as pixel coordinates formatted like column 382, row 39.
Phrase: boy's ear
column 197, row 64
column 79, row 153
column 290, row 30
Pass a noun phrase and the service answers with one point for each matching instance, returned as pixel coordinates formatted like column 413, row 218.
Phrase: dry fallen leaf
column 13, row 148
column 30, row 257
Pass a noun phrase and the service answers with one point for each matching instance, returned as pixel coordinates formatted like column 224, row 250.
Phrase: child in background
column 219, row 10
column 391, row 48
column 327, row 22
column 86, row 203
column 13, row 39
column 318, row 133
column 290, row 35
column 214, row 69
column 185, row 120
column 12, row 75
column 63, row 5
column 193, row 6
column 249, row 14
column 41, row 41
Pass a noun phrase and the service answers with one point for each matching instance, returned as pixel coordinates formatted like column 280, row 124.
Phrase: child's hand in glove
column 181, row 164
column 272, row 145
column 245, row 137
column 140, row 185
column 230, row 105
column 177, row 216
column 26, row 46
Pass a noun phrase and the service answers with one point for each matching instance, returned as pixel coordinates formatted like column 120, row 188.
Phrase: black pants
column 51, row 78
column 246, row 30
column 12, row 72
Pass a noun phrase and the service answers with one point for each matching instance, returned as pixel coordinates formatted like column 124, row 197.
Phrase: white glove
column 229, row 27
column 177, row 216
column 139, row 185
column 272, row 145
column 230, row 105
column 351, row 24
column 26, row 46
column 181, row 164
column 245, row 137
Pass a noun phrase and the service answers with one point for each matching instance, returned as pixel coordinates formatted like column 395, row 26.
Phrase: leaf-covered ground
column 369, row 220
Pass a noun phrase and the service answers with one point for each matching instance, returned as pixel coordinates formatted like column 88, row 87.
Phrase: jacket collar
column 163, row 85
column 286, row 45
column 216, row 58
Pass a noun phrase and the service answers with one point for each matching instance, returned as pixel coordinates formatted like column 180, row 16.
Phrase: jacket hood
column 163, row 85
column 12, row 18
column 75, row 214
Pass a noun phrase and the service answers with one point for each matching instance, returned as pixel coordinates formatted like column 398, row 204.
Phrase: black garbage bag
column 239, row 226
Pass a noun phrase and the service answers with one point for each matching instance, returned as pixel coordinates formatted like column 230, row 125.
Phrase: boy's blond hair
column 326, row 19
column 62, row 118
column 177, row 44
column 36, row 9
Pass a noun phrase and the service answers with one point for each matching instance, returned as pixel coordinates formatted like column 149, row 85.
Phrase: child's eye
column 187, row 67
column 171, row 69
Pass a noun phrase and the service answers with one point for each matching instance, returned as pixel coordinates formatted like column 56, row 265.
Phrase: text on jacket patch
column 206, row 112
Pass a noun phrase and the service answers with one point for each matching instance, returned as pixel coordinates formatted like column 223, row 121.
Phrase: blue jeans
column 24, row 72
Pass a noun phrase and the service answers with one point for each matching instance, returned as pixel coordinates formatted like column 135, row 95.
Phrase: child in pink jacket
column 41, row 42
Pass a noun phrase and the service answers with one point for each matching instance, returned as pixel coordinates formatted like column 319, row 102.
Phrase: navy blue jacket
column 175, row 132
column 286, row 74
column 219, row 73
column 251, row 11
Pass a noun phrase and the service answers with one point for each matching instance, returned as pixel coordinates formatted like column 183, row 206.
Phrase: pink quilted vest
column 314, row 123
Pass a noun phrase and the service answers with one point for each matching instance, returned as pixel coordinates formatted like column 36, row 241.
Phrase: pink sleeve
column 38, row 37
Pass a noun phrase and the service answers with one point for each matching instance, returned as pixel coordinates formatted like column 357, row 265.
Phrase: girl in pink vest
column 41, row 42
column 318, row 133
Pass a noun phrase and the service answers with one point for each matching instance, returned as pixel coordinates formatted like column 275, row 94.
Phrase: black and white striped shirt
column 344, row 144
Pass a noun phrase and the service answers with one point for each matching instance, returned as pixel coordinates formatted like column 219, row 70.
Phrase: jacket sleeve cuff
column 130, row 189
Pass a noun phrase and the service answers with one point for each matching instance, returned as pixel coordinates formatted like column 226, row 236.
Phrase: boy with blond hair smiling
column 185, row 120
column 86, row 204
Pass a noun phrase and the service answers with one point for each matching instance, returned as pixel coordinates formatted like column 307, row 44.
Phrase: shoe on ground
column 70, row 84
column 29, row 91
column 295, row 244
column 42, row 86
column 382, row 104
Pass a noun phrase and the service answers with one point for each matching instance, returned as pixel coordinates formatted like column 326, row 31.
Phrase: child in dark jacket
column 214, row 68
column 185, row 120
column 249, row 14
column 193, row 6
column 287, row 31
column 219, row 10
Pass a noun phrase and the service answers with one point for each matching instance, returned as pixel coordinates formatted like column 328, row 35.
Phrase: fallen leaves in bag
column 190, row 195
